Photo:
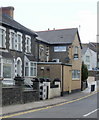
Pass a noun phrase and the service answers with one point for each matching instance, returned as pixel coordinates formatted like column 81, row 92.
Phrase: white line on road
column 90, row 112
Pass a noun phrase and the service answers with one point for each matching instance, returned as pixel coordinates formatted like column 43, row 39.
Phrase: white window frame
column 76, row 78
column 3, row 42
column 59, row 48
column 76, row 50
column 16, row 41
column 2, row 69
column 87, row 58
column 12, row 31
column 27, row 45
column 19, row 43
column 29, row 66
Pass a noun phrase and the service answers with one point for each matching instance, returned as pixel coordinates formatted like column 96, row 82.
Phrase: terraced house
column 16, row 48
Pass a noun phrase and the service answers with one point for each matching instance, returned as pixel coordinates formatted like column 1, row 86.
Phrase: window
column 2, row 37
column 19, row 41
column 12, row 40
column 30, row 69
column 41, row 52
column 5, row 68
column 75, row 74
column 15, row 40
column 26, row 69
column 28, row 44
column 87, row 58
column 59, row 48
column 76, row 52
column 88, row 67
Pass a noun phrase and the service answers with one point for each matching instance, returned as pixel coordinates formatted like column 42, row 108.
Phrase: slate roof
column 61, row 36
column 93, row 46
column 6, row 55
column 90, row 45
column 84, row 48
column 6, row 20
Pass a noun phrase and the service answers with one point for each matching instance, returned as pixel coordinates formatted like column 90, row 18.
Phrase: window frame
column 19, row 43
column 12, row 31
column 77, row 75
column 3, row 34
column 16, row 41
column 76, row 49
column 28, row 45
column 5, row 62
column 87, row 58
column 29, row 68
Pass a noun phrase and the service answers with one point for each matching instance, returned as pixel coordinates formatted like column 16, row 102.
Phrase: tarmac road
column 79, row 108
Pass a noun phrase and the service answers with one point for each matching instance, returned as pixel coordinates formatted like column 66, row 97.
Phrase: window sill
column 76, row 58
column 30, row 76
column 76, row 79
column 15, row 50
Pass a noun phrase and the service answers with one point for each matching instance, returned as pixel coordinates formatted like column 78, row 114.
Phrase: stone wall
column 15, row 95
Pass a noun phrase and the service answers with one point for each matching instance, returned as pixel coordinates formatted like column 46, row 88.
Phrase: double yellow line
column 44, row 108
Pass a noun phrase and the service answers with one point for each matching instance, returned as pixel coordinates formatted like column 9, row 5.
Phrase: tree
column 84, row 71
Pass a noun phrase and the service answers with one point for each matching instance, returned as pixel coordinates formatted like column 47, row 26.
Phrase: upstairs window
column 15, row 40
column 19, row 41
column 2, row 37
column 12, row 39
column 28, row 44
column 87, row 58
column 76, row 52
column 59, row 48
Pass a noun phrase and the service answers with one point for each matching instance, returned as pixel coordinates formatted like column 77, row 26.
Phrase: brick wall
column 14, row 95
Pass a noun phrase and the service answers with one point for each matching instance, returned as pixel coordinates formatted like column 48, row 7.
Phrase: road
column 80, row 108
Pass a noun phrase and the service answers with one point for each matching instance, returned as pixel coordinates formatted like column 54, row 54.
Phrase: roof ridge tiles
column 56, row 29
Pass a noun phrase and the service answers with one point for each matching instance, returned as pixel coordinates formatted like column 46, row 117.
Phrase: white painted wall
column 54, row 92
column 93, row 58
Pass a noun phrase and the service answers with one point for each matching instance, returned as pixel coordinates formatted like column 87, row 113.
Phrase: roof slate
column 5, row 19
column 90, row 45
column 62, row 36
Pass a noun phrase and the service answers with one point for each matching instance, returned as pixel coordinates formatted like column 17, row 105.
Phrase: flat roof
column 54, row 63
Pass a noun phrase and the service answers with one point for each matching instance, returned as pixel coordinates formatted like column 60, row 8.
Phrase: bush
column 84, row 71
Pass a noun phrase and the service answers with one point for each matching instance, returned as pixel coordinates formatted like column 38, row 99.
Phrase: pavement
column 42, row 103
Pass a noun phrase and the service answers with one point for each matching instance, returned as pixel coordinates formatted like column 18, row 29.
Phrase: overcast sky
column 59, row 14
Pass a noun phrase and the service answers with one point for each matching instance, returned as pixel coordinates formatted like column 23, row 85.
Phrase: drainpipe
column 62, row 81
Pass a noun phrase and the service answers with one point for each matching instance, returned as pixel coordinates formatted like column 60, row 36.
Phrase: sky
column 39, row 15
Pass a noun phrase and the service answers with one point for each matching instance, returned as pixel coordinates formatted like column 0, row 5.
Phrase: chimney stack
column 8, row 11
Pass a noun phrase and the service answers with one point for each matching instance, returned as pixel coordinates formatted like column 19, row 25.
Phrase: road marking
column 90, row 112
column 44, row 108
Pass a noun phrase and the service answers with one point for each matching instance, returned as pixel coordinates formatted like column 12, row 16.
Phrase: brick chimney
column 8, row 11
